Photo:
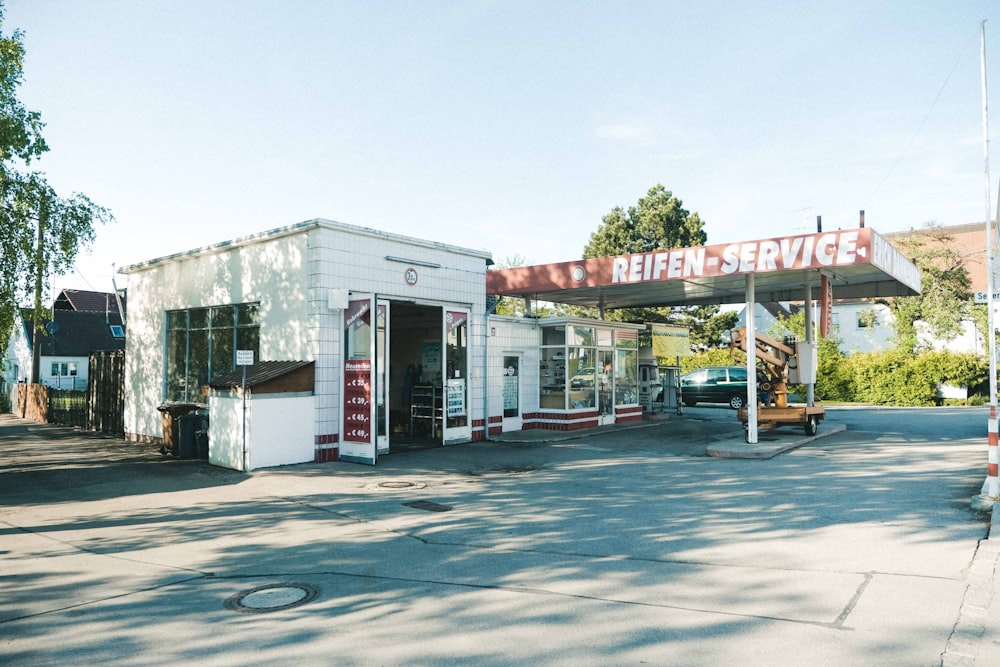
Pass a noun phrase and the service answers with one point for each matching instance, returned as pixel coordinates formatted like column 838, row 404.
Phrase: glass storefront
column 586, row 366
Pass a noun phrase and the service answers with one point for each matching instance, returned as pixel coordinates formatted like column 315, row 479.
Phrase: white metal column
column 751, row 361
column 810, row 388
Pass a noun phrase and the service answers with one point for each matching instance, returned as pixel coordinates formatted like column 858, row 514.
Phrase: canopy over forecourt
column 852, row 264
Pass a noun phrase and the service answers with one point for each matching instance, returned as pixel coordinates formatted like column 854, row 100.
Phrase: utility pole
column 990, row 492
column 36, row 334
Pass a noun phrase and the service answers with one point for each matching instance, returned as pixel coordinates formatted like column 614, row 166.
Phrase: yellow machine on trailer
column 779, row 360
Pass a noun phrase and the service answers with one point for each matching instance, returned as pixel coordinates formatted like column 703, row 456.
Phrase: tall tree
column 40, row 232
column 944, row 299
column 657, row 221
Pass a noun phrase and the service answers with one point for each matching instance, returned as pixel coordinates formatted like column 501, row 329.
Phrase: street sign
column 244, row 357
column 983, row 297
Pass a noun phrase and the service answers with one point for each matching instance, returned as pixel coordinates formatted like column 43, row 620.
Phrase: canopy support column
column 810, row 388
column 751, row 360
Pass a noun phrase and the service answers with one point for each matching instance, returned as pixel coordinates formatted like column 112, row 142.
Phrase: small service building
column 395, row 333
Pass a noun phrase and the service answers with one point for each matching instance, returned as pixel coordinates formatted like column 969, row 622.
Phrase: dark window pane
column 223, row 356
column 177, row 320
column 249, row 339
column 199, row 318
column 197, row 372
column 176, row 365
column 248, row 314
column 222, row 317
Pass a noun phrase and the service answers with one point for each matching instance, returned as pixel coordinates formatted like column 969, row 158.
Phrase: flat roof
column 859, row 263
column 299, row 228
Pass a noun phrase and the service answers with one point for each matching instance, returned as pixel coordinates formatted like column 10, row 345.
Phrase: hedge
column 879, row 378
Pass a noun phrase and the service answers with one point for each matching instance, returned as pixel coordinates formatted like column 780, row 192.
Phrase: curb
column 742, row 450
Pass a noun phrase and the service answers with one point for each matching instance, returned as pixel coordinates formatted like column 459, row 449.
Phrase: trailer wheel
column 812, row 425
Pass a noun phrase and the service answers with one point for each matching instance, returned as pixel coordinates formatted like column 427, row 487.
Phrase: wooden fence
column 100, row 408
column 106, row 392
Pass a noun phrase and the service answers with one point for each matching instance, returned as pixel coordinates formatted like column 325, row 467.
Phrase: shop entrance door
column 359, row 382
column 458, row 422
column 512, row 420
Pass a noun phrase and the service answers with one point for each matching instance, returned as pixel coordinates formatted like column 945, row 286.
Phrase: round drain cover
column 395, row 485
column 272, row 597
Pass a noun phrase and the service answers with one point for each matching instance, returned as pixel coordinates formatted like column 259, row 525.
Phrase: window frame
column 211, row 326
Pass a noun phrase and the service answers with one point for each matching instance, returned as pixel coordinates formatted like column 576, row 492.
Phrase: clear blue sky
column 511, row 127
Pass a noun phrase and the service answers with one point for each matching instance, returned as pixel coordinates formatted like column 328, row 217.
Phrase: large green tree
column 40, row 232
column 945, row 297
column 658, row 221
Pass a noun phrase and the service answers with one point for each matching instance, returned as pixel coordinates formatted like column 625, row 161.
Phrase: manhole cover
column 395, row 485
column 272, row 597
column 428, row 506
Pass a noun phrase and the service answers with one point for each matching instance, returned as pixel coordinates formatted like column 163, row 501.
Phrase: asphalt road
column 622, row 547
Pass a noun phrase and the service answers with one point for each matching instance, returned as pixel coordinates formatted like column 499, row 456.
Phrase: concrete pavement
column 621, row 546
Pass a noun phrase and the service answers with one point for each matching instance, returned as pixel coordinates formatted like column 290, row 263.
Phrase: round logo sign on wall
column 578, row 273
column 410, row 276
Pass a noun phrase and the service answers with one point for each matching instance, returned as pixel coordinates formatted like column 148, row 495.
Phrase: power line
column 909, row 144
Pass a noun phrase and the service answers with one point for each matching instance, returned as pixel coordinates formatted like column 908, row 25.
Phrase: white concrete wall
column 273, row 272
column 513, row 336
column 862, row 339
column 967, row 341
column 279, row 431
column 225, row 431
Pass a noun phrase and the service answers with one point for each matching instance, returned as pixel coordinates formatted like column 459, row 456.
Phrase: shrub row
column 880, row 378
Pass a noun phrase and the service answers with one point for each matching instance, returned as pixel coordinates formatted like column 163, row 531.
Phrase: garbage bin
column 171, row 414
column 193, row 430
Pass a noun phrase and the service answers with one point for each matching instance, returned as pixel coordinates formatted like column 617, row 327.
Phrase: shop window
column 583, row 378
column 552, row 378
column 554, row 335
column 202, row 342
column 626, row 377
column 583, row 336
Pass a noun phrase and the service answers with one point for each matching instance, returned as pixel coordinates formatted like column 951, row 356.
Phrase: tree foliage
column 511, row 305
column 945, row 289
column 657, row 221
column 40, row 232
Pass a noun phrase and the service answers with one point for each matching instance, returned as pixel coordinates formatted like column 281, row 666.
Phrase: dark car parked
column 717, row 384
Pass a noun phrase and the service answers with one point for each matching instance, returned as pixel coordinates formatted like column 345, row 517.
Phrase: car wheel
column 736, row 402
column 690, row 403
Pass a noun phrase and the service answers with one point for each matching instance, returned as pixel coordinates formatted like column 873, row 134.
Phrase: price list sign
column 357, row 400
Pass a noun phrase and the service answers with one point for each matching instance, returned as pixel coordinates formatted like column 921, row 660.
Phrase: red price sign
column 357, row 400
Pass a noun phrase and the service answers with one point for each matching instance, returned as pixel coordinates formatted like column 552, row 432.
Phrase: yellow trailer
column 807, row 416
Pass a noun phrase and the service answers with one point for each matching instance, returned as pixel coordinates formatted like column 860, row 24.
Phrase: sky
column 511, row 127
